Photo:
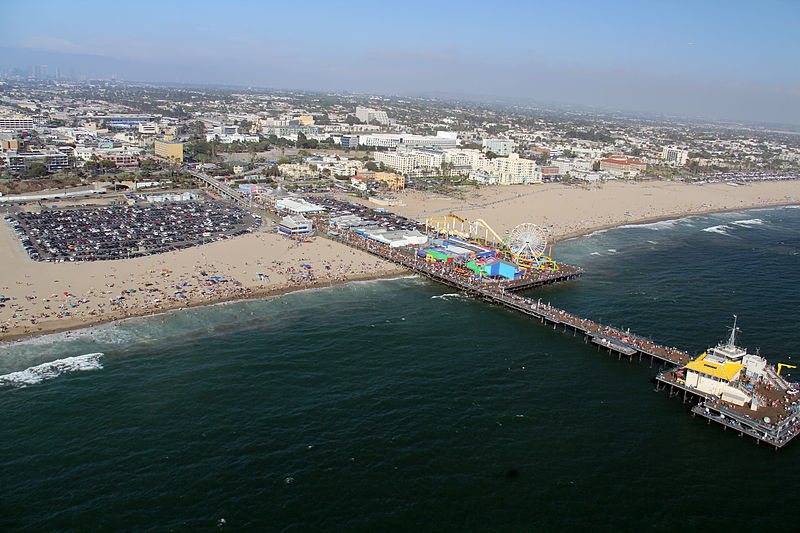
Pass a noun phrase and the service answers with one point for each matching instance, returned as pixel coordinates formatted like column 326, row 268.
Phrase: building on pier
column 502, row 269
column 714, row 376
column 740, row 391
column 295, row 225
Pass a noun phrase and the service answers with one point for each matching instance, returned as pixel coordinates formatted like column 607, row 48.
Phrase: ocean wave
column 748, row 222
column 659, row 225
column 53, row 369
column 94, row 332
column 595, row 253
column 612, row 250
column 447, row 296
column 721, row 229
column 597, row 232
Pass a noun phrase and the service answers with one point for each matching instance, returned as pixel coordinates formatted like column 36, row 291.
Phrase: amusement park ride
column 525, row 245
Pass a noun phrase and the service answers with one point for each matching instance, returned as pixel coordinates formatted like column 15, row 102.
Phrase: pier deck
column 624, row 343
column 504, row 293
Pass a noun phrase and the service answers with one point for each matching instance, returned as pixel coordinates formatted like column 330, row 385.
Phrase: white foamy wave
column 53, row 369
column 598, row 232
column 447, row 296
column 749, row 222
column 660, row 225
column 612, row 251
column 595, row 253
column 653, row 242
column 721, row 229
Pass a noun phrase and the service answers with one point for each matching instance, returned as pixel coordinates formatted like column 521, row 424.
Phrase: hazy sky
column 729, row 60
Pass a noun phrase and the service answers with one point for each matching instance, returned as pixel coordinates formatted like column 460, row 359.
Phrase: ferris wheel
column 527, row 240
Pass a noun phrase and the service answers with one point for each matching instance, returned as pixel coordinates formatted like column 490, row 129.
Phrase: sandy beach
column 48, row 297
column 571, row 210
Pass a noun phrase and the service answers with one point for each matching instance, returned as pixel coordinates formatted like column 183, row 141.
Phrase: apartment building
column 170, row 150
column 511, row 170
column 52, row 159
column 501, row 147
column 367, row 115
column 674, row 156
column 16, row 123
column 622, row 166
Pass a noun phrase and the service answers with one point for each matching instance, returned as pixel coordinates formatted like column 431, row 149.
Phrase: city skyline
column 731, row 61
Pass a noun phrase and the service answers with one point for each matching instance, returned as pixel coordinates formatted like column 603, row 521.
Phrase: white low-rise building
column 297, row 206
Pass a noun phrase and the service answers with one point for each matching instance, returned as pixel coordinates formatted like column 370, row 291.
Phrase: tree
column 373, row 166
column 148, row 164
column 596, row 166
column 36, row 170
column 106, row 165
column 352, row 119
column 305, row 142
column 491, row 155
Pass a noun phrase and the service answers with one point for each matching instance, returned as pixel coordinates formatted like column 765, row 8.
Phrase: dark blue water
column 395, row 405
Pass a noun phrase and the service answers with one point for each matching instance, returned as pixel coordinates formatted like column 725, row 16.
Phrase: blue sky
column 730, row 60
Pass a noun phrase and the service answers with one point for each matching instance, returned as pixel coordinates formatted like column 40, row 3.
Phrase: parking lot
column 121, row 231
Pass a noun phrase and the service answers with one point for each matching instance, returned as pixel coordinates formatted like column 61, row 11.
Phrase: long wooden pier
column 613, row 340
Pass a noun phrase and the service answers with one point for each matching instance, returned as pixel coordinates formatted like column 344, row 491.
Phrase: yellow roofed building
column 713, row 376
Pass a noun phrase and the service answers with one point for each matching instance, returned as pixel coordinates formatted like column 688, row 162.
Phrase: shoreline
column 557, row 239
column 58, row 326
column 262, row 294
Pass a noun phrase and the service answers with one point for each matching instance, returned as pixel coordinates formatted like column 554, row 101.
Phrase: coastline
column 60, row 326
column 650, row 220
column 574, row 213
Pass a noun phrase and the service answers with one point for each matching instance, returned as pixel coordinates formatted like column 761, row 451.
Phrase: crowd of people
column 158, row 290
column 122, row 231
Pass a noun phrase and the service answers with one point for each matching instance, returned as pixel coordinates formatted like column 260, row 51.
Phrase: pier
column 504, row 293
column 777, row 429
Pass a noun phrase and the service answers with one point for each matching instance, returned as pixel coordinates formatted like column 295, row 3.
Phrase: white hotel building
column 511, row 170
column 501, row 170
column 393, row 140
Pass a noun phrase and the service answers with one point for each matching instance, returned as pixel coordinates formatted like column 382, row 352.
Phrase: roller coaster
column 525, row 245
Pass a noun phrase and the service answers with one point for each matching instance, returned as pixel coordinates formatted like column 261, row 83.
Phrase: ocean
column 399, row 405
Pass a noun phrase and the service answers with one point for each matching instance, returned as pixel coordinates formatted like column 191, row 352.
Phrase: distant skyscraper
column 43, row 72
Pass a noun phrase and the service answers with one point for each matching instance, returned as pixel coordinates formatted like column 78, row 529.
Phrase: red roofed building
column 622, row 165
